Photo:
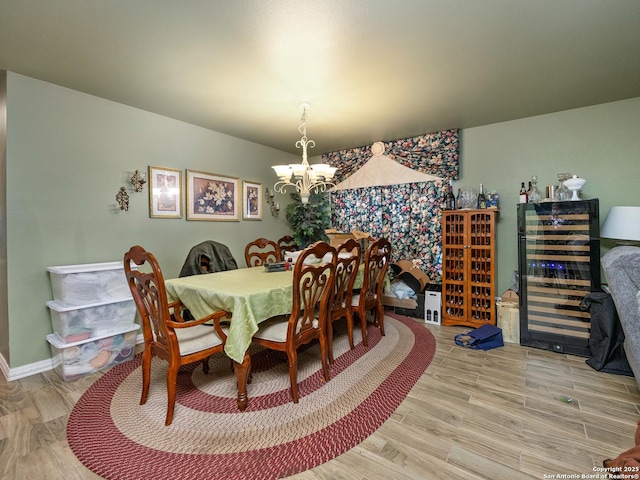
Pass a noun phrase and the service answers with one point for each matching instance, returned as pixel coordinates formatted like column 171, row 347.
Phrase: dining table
column 252, row 295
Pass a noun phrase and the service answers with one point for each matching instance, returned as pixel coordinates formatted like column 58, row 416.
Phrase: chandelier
column 303, row 177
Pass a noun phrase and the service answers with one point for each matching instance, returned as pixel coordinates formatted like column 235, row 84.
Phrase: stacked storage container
column 92, row 316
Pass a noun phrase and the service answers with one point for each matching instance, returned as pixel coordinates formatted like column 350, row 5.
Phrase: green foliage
column 310, row 220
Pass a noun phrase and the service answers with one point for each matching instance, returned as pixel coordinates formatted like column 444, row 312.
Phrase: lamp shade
column 283, row 171
column 622, row 223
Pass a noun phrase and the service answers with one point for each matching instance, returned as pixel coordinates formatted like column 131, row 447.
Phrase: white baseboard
column 42, row 366
column 12, row 374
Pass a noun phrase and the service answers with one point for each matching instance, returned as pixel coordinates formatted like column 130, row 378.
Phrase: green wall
column 68, row 154
column 599, row 143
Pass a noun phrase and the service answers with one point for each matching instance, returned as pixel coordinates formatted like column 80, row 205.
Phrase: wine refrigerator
column 558, row 264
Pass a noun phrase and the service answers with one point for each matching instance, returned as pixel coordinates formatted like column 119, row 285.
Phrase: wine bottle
column 482, row 200
column 459, row 198
column 523, row 198
column 450, row 199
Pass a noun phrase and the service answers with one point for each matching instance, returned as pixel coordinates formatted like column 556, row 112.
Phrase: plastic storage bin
column 75, row 359
column 90, row 283
column 77, row 323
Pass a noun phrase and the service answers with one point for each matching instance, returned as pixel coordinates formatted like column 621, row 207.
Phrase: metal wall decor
column 122, row 197
column 138, row 179
column 274, row 206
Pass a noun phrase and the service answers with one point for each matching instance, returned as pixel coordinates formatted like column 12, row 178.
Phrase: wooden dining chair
column 347, row 264
column 261, row 251
column 313, row 285
column 166, row 334
column 376, row 262
column 286, row 244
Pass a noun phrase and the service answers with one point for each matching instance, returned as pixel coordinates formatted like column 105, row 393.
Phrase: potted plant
column 309, row 220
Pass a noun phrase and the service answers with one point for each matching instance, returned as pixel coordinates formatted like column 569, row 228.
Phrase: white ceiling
column 371, row 69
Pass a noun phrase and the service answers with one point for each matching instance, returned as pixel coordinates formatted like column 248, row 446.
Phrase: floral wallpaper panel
column 408, row 215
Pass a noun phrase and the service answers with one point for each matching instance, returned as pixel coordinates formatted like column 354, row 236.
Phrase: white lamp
column 622, row 223
column 303, row 177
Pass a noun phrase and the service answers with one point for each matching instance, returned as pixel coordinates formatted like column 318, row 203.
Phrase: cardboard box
column 432, row 307
column 336, row 238
column 427, row 309
column 417, row 312
column 510, row 296
column 509, row 321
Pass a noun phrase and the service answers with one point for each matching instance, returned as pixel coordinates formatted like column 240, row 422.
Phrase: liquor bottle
column 482, row 200
column 523, row 198
column 534, row 195
column 450, row 200
column 459, row 198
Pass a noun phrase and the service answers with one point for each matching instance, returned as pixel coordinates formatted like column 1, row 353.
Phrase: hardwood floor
column 509, row 413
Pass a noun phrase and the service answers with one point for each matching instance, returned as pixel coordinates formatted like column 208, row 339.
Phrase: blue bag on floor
column 485, row 337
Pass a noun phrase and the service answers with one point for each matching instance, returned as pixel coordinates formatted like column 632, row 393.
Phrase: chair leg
column 146, row 374
column 330, row 340
column 362, row 313
column 350, row 328
column 381, row 318
column 172, row 376
column 293, row 374
column 323, row 355
column 205, row 365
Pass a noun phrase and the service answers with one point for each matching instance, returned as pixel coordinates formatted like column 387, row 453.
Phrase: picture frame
column 251, row 200
column 165, row 192
column 212, row 197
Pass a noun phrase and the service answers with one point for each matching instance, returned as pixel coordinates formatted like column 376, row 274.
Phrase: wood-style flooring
column 509, row 413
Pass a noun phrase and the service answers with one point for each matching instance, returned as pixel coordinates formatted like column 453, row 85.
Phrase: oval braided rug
column 117, row 438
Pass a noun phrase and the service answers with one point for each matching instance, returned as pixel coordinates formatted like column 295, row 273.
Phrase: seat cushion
column 355, row 300
column 275, row 329
column 197, row 338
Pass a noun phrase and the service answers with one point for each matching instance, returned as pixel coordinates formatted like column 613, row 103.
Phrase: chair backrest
column 349, row 254
column 286, row 244
column 261, row 251
column 376, row 263
column 150, row 296
column 313, row 285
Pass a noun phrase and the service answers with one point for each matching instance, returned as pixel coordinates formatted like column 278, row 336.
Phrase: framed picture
column 165, row 192
column 251, row 201
column 212, row 197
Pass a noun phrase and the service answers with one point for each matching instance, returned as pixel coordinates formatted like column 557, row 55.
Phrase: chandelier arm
column 310, row 180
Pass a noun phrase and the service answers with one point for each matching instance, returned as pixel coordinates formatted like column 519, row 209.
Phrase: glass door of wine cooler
column 559, row 252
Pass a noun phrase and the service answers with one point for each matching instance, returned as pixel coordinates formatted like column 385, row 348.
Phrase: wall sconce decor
column 138, row 179
column 122, row 197
column 273, row 206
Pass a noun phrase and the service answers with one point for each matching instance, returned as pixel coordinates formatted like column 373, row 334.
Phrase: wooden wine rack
column 468, row 267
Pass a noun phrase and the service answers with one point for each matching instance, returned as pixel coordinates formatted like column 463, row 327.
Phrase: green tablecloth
column 252, row 295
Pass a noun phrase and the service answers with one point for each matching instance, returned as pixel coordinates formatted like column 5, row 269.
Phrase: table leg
column 242, row 371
